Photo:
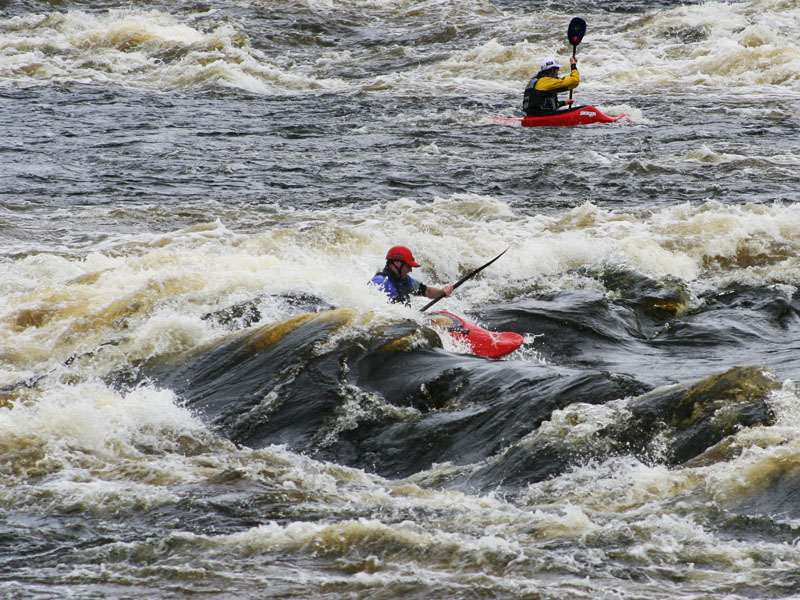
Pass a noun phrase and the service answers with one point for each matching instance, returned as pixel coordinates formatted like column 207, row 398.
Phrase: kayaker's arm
column 563, row 84
column 434, row 292
column 572, row 81
column 552, row 84
column 574, row 77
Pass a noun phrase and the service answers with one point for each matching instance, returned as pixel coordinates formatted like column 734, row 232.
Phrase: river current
column 201, row 397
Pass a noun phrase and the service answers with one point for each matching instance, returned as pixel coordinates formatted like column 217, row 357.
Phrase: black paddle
column 577, row 27
column 462, row 280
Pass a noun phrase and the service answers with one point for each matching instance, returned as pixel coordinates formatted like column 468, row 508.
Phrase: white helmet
column 550, row 63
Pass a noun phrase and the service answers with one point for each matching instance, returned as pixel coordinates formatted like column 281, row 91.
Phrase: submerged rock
column 693, row 417
column 280, row 383
column 668, row 425
column 385, row 397
column 660, row 298
column 248, row 313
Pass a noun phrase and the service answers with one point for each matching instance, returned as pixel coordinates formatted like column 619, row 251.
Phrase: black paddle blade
column 577, row 27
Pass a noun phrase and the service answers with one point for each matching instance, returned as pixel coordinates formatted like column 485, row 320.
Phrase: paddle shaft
column 462, row 280
column 574, row 48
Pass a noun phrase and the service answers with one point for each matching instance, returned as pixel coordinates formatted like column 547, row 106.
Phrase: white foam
column 747, row 47
column 149, row 49
column 57, row 306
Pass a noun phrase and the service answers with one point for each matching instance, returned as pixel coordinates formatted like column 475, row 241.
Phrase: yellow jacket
column 556, row 84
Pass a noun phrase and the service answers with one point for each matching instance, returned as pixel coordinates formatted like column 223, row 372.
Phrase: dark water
column 200, row 395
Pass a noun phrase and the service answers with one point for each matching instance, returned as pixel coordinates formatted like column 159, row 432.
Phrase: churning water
column 201, row 397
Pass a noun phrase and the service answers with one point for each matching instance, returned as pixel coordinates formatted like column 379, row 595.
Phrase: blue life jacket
column 397, row 289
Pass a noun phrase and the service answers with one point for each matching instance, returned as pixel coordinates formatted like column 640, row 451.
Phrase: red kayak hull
column 580, row 115
column 482, row 342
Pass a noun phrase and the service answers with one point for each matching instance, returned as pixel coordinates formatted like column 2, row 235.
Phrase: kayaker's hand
column 448, row 289
column 569, row 101
column 573, row 60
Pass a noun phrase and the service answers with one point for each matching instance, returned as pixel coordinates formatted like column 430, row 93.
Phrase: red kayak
column 580, row 115
column 482, row 342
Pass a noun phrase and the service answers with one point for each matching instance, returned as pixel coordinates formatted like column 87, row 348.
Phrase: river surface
column 201, row 397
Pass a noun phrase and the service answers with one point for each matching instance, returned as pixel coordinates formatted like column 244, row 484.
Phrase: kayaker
column 396, row 282
column 541, row 94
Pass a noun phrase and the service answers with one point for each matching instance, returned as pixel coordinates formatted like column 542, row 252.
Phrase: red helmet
column 401, row 253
